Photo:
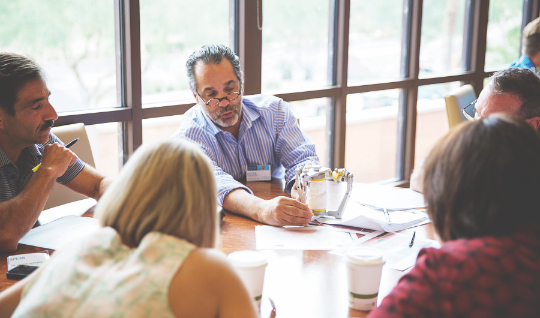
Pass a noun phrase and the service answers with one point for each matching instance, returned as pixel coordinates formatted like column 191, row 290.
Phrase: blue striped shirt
column 269, row 135
column 13, row 180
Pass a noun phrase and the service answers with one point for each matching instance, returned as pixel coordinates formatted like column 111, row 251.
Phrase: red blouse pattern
column 481, row 277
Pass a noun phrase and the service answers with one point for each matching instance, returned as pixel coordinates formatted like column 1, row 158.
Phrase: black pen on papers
column 69, row 144
column 412, row 240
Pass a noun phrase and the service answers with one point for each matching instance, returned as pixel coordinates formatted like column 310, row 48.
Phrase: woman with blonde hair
column 153, row 256
column 481, row 184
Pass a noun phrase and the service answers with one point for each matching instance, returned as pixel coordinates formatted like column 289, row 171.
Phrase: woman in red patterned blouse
column 482, row 187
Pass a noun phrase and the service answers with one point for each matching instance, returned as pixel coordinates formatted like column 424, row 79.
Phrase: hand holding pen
column 57, row 155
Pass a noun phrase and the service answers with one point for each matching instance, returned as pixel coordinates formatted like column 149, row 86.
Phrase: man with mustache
column 237, row 131
column 26, row 118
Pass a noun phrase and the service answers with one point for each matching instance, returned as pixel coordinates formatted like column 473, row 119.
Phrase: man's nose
column 224, row 102
column 51, row 112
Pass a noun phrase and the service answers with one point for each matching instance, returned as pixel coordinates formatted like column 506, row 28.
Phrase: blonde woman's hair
column 166, row 187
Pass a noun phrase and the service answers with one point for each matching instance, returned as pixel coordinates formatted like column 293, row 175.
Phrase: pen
column 69, row 144
column 385, row 211
column 412, row 240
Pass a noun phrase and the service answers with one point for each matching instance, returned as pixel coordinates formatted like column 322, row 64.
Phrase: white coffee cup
column 250, row 265
column 364, row 269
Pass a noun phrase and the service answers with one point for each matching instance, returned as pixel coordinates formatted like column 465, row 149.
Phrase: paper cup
column 364, row 269
column 334, row 194
column 250, row 265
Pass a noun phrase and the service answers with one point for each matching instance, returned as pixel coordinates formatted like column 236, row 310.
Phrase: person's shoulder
column 458, row 260
column 261, row 101
column 192, row 122
column 210, row 258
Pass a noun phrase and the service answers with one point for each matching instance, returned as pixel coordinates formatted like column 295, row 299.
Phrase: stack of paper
column 307, row 238
column 57, row 233
column 387, row 197
column 73, row 208
column 382, row 208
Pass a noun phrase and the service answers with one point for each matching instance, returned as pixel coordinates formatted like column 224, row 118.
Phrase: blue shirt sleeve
column 225, row 183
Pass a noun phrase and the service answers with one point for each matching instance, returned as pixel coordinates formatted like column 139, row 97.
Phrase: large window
column 365, row 78
column 504, row 33
column 441, row 50
column 170, row 31
column 375, row 40
column 295, row 44
column 73, row 41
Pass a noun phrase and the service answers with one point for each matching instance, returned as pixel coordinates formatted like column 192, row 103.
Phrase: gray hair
column 212, row 54
column 523, row 83
column 15, row 71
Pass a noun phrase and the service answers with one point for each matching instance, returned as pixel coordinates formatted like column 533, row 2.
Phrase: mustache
column 229, row 108
column 47, row 124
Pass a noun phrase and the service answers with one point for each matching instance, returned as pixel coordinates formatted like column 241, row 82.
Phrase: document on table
column 32, row 259
column 306, row 238
column 359, row 216
column 395, row 248
column 388, row 197
column 57, row 233
column 73, row 208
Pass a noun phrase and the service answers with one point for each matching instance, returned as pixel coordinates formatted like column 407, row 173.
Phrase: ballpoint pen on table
column 412, row 240
column 385, row 211
column 69, row 144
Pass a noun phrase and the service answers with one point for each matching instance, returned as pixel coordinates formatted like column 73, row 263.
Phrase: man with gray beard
column 236, row 132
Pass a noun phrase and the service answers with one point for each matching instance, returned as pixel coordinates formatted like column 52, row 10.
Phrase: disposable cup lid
column 364, row 256
column 247, row 259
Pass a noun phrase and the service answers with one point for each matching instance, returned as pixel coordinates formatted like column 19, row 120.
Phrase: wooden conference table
column 300, row 283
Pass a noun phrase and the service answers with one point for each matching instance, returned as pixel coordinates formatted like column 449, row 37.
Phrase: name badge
column 258, row 173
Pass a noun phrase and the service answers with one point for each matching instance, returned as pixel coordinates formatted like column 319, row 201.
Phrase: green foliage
column 504, row 21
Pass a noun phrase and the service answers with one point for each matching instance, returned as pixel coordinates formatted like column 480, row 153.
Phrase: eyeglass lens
column 230, row 97
column 470, row 109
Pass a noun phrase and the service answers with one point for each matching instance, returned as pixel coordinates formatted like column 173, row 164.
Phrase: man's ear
column 535, row 122
column 194, row 96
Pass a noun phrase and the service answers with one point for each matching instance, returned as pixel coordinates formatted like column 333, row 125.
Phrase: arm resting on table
column 278, row 211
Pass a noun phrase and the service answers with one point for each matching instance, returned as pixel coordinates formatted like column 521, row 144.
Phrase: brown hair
column 167, row 187
column 531, row 38
column 15, row 71
column 483, row 178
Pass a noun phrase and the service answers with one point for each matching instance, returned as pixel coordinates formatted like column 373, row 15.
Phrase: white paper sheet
column 359, row 216
column 305, row 238
column 57, row 233
column 395, row 248
column 391, row 198
column 73, row 208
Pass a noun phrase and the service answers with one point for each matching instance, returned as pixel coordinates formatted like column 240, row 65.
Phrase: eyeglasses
column 215, row 101
column 469, row 112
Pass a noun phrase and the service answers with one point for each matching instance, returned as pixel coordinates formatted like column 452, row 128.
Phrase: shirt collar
column 251, row 113
column 525, row 60
column 33, row 150
column 4, row 160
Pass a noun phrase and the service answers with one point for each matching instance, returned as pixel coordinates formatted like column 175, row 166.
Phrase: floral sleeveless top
column 98, row 276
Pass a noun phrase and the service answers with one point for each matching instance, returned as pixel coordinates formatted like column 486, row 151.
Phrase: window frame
column 246, row 40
